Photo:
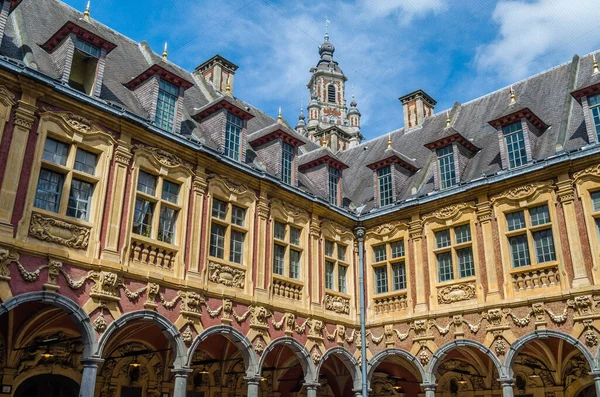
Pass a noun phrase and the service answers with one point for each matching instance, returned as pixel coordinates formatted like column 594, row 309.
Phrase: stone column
column 180, row 388
column 122, row 159
column 315, row 258
column 262, row 216
column 200, row 185
column 429, row 389
column 23, row 122
column 88, row 377
column 484, row 217
column 566, row 196
column 253, row 386
column 416, row 235
column 311, row 390
column 596, row 376
column 507, row 387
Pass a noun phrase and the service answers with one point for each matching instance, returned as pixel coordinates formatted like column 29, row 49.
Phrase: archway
column 48, row 386
column 395, row 372
column 285, row 367
column 467, row 367
column 337, row 373
column 220, row 357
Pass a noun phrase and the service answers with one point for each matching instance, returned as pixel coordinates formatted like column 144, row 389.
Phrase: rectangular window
column 142, row 217
column 236, row 249
column 594, row 104
column 544, row 246
column 335, row 257
column 533, row 229
column 329, row 248
column 329, row 269
column 454, row 253
column 384, row 180
column 279, row 260
column 341, row 251
column 442, row 238
column 379, row 253
column 295, row 235
column 466, row 266
column 287, row 163
column 445, row 270
column 233, row 136
column 87, row 48
column 279, row 230
column 381, row 285
column 515, row 144
column 166, row 105
column 85, row 162
column 146, row 183
column 170, row 192
column 287, row 250
column 539, row 215
column 596, row 201
column 397, row 248
column 49, row 190
column 399, row 276
column 238, row 215
column 80, row 199
column 519, row 250
column 447, row 171
column 342, row 278
column 217, row 241
column 56, row 152
column 515, row 220
column 294, row 264
column 166, row 225
column 334, row 182
column 219, row 209
column 84, row 66
column 463, row 234
column 228, row 223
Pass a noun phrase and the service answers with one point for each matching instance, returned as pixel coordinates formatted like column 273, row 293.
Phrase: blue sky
column 455, row 50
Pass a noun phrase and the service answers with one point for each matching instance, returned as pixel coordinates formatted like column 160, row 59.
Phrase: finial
column 228, row 86
column 279, row 118
column 327, row 22
column 86, row 13
column 389, row 141
column 447, row 118
column 595, row 70
column 165, row 54
column 323, row 143
column 513, row 98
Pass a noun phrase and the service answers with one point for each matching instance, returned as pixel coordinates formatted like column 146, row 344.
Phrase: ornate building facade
column 161, row 237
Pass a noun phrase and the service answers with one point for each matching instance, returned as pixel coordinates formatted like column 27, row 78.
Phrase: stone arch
column 445, row 349
column 299, row 349
column 382, row 355
column 77, row 314
column 236, row 337
column 167, row 327
column 516, row 347
column 347, row 358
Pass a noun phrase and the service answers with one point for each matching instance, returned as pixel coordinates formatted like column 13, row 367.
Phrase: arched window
column 331, row 93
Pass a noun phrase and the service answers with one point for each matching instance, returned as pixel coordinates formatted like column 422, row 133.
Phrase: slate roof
column 547, row 95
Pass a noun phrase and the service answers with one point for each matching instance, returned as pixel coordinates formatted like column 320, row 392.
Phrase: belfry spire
column 86, row 13
column 165, row 53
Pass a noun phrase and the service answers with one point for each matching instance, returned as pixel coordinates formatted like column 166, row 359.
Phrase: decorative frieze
column 456, row 293
column 337, row 304
column 226, row 275
column 449, row 212
column 525, row 192
column 59, row 232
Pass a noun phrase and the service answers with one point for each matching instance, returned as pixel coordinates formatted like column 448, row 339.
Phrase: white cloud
column 536, row 35
column 405, row 10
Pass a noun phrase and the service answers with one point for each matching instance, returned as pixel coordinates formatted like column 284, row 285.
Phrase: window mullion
column 65, row 193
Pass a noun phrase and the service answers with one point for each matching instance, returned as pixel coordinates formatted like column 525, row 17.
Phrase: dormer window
column 334, row 183
column 331, row 93
column 594, row 104
column 514, row 142
column 84, row 67
column 287, row 163
column 233, row 134
column 166, row 105
column 446, row 167
column 384, row 182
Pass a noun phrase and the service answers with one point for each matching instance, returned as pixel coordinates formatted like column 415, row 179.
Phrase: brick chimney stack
column 219, row 72
column 416, row 106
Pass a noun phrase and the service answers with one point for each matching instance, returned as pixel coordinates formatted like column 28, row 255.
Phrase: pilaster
column 315, row 258
column 416, row 235
column 262, row 219
column 199, row 187
column 484, row 218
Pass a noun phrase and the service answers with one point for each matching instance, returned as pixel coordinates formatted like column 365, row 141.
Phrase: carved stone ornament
column 54, row 268
column 289, row 211
column 449, row 212
column 590, row 337
column 59, row 232
column 424, row 357
column 106, row 284
column 524, row 192
column 386, row 229
column 191, row 302
column 163, row 157
column 100, row 323
column 259, row 316
column 456, row 293
column 226, row 275
column 227, row 185
column 337, row 304
column 335, row 229
column 6, row 257
column 187, row 335
column 593, row 172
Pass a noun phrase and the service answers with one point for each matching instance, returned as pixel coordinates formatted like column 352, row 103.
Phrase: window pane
column 49, row 188
column 399, row 274
column 329, row 248
column 515, row 220
column 379, row 253
column 446, row 169
column 219, row 209
column 515, row 145
column 287, row 161
column 544, row 246
column 466, row 267
column 166, row 105
column 539, row 215
column 236, row 246
column 329, row 266
column 294, row 264
column 238, row 215
column 217, row 241
column 342, row 279
column 142, row 217
column 170, row 192
column 442, row 238
column 462, row 234
column 445, row 271
column 295, row 235
column 519, row 251
column 85, row 161
column 55, row 152
column 166, row 225
column 334, row 179
column 381, row 280
column 280, row 231
column 146, row 183
column 80, row 199
column 87, row 48
column 384, row 176
column 233, row 132
column 341, row 251
column 594, row 104
column 278, row 259
column 397, row 249
column 596, row 201
column 331, row 93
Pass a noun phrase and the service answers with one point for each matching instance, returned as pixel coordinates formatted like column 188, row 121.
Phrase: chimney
column 219, row 72
column 416, row 106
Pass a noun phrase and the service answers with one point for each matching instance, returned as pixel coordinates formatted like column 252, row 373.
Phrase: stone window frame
column 593, row 137
column 454, row 166
column 522, row 199
column 91, row 137
column 343, row 236
column 337, row 264
column 586, row 183
column 451, row 217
